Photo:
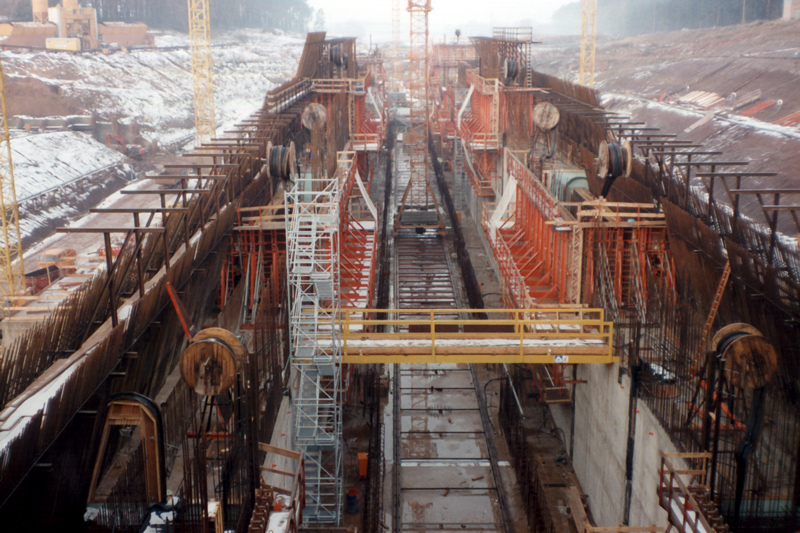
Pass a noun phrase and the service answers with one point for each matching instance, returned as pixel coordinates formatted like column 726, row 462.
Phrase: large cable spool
column 211, row 361
column 614, row 160
column 336, row 55
column 280, row 161
column 511, row 69
column 750, row 362
column 314, row 117
column 546, row 116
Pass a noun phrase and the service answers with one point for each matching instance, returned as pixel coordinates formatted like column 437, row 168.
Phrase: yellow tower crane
column 588, row 42
column 11, row 267
column 202, row 70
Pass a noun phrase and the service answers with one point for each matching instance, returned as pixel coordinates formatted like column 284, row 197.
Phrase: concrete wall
column 600, row 445
column 651, row 440
column 600, row 440
column 791, row 9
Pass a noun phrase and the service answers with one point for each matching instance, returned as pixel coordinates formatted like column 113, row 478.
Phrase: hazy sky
column 364, row 17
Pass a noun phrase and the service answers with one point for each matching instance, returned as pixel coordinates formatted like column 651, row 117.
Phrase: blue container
column 351, row 501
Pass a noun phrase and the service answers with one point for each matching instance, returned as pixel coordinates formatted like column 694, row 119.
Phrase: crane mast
column 588, row 42
column 202, row 70
column 11, row 256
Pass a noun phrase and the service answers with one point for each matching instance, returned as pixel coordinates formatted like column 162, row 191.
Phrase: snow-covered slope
column 46, row 160
column 154, row 87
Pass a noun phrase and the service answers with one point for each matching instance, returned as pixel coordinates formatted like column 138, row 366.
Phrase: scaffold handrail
column 567, row 335
column 679, row 489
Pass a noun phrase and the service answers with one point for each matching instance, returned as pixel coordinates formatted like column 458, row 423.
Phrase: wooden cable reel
column 314, row 116
column 750, row 362
column 614, row 160
column 546, row 116
column 211, row 361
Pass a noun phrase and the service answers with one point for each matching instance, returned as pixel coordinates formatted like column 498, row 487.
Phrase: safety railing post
column 521, row 326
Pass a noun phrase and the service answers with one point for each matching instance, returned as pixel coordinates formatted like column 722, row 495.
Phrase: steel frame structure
column 258, row 244
column 331, row 238
column 541, row 335
column 11, row 267
column 313, row 266
column 547, row 254
column 359, row 240
column 478, row 129
column 533, row 252
column 418, row 195
column 202, row 71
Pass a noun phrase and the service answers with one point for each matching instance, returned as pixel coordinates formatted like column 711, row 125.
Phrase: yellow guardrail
column 549, row 336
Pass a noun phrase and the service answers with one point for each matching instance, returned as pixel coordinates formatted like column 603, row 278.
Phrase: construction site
column 499, row 283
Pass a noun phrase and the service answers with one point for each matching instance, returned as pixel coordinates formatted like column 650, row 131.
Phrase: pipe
column 552, row 149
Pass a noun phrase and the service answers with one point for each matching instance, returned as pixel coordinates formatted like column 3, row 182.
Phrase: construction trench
column 496, row 319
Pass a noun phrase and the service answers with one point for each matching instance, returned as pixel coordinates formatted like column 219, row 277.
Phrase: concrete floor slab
column 441, row 380
column 442, row 400
column 451, row 474
column 449, row 421
column 465, row 509
column 461, row 446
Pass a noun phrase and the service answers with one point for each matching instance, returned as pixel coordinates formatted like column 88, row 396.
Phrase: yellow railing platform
column 550, row 336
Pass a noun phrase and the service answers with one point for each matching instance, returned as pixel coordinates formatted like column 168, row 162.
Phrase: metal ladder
column 712, row 314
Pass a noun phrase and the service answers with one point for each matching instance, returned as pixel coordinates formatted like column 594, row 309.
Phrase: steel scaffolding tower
column 312, row 236
column 11, row 268
column 418, row 195
column 418, row 89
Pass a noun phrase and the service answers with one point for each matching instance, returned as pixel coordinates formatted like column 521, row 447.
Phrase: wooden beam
column 138, row 209
column 109, row 230
column 765, row 191
column 202, row 165
column 219, row 154
column 654, row 152
column 166, row 191
column 188, row 177
column 737, row 174
column 780, row 207
column 279, row 451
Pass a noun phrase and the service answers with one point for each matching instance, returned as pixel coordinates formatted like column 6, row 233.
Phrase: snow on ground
column 150, row 87
column 154, row 87
column 46, row 160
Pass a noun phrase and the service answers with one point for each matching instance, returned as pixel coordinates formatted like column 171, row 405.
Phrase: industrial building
column 424, row 288
column 70, row 27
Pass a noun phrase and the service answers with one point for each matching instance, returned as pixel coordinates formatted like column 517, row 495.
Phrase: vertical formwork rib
column 312, row 208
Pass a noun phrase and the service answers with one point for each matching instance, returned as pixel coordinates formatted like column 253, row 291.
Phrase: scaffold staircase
column 313, row 270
